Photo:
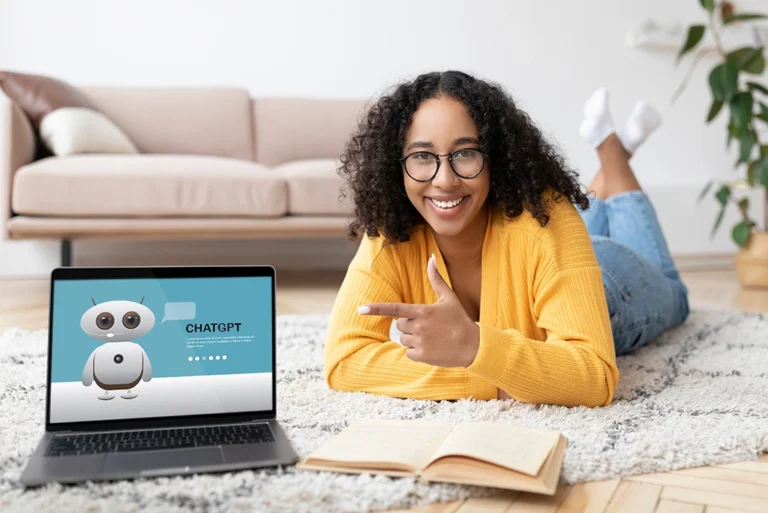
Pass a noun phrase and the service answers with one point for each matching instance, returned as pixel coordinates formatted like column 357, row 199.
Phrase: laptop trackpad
column 149, row 463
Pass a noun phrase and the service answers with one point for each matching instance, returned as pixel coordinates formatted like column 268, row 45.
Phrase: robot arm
column 88, row 369
column 146, row 375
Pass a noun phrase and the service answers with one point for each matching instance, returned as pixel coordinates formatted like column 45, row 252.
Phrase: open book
column 474, row 453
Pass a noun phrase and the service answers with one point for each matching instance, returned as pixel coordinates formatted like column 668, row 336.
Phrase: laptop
column 159, row 371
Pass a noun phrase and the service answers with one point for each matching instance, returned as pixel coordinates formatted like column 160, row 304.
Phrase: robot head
column 117, row 321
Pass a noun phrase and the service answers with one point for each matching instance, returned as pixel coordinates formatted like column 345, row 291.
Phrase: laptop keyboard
column 158, row 439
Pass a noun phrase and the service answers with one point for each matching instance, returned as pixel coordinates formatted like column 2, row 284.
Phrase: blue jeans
column 642, row 286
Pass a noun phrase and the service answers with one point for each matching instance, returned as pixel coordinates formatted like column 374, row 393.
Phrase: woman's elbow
column 604, row 389
column 331, row 373
column 337, row 378
column 599, row 387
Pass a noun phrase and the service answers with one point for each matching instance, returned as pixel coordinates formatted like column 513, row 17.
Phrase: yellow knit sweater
column 545, row 334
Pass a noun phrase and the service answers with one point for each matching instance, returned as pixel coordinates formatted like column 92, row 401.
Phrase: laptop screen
column 134, row 348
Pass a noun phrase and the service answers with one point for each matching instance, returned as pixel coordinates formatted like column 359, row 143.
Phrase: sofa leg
column 66, row 253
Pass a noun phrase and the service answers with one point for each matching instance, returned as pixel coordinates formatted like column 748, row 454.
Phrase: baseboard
column 715, row 262
column 293, row 255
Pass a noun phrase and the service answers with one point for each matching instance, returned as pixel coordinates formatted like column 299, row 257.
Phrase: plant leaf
column 744, row 16
column 708, row 4
column 735, row 131
column 723, row 80
column 760, row 171
column 739, row 54
column 751, row 173
column 754, row 62
column 723, row 195
column 695, row 34
column 763, row 115
column 744, row 204
column 714, row 110
column 741, row 111
column 754, row 86
column 741, row 232
column 750, row 59
column 764, row 150
column 746, row 143
column 718, row 220
column 704, row 191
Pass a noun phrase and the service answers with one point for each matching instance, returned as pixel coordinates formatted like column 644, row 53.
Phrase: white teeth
column 447, row 204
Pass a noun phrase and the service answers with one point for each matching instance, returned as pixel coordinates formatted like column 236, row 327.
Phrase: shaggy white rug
column 695, row 396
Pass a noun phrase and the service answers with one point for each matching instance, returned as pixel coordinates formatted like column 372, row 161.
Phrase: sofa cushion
column 181, row 120
column 147, row 186
column 290, row 129
column 314, row 187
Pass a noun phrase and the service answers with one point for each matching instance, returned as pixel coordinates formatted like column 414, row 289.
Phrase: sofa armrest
column 17, row 148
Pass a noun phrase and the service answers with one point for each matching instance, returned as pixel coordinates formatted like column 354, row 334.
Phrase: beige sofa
column 214, row 164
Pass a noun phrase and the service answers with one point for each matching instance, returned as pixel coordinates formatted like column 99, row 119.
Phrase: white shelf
column 659, row 35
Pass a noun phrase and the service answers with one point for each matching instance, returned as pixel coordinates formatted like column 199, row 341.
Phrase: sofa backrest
column 289, row 129
column 185, row 120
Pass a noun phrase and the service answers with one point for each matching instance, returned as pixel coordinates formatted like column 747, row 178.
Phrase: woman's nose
column 445, row 177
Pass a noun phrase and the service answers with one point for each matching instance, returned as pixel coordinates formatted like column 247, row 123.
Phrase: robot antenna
column 94, row 302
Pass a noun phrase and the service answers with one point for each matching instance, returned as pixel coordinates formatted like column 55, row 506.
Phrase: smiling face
column 117, row 321
column 448, row 203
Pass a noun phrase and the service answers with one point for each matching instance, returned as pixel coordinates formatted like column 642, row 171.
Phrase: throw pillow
column 39, row 95
column 78, row 128
column 74, row 130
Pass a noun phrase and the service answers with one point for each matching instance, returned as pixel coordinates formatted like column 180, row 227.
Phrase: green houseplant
column 735, row 87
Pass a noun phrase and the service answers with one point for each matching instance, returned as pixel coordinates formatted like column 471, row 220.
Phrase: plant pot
column 752, row 261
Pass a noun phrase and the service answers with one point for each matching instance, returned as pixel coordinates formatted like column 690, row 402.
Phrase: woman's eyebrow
column 419, row 144
column 427, row 144
column 465, row 140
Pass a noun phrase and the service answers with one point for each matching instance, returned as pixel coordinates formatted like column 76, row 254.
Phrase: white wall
column 549, row 53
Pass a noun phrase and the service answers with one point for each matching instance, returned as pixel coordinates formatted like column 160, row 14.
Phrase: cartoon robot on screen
column 120, row 363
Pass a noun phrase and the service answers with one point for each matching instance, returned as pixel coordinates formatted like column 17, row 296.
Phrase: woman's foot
column 597, row 124
column 641, row 123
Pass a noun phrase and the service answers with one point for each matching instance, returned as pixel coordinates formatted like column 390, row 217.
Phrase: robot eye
column 131, row 320
column 105, row 320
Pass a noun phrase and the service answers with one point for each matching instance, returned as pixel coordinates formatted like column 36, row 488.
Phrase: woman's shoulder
column 563, row 217
column 564, row 239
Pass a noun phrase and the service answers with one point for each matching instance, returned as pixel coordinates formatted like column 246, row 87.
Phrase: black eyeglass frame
column 440, row 161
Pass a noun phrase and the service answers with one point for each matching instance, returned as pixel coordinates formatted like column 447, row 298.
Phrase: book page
column 520, row 449
column 463, row 470
column 405, row 442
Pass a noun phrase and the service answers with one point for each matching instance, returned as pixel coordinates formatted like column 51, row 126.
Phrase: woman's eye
column 463, row 154
column 421, row 156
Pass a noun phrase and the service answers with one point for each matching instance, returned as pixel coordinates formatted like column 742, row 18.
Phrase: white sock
column 641, row 123
column 597, row 124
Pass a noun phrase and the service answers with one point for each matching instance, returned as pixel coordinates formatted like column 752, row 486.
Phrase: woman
column 473, row 241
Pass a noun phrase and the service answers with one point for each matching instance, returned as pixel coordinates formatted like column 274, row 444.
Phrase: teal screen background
column 240, row 299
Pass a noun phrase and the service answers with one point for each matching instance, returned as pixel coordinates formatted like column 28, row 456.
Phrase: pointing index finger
column 390, row 310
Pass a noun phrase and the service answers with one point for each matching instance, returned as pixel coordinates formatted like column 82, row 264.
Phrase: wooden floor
column 738, row 487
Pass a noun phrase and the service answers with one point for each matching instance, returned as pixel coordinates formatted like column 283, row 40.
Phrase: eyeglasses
column 422, row 166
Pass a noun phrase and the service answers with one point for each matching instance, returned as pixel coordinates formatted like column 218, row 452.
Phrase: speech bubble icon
column 185, row 311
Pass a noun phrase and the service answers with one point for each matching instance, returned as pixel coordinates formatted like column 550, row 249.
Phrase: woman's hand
column 440, row 334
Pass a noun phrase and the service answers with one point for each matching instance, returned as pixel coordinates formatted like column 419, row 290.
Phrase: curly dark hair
column 523, row 165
